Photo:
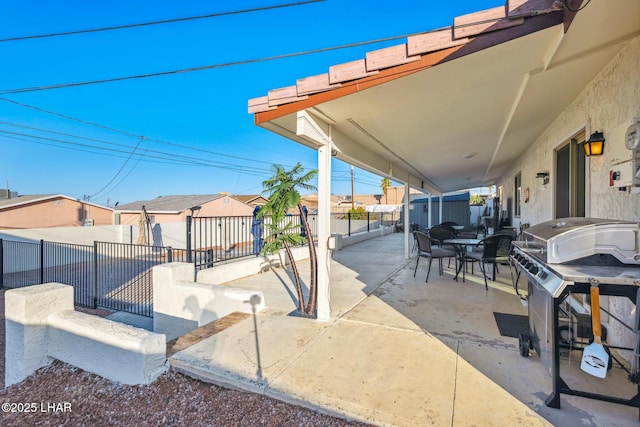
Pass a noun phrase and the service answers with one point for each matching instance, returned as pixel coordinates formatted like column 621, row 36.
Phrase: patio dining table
column 461, row 246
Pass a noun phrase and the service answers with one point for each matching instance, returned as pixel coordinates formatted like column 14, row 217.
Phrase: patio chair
column 413, row 228
column 508, row 230
column 439, row 234
column 427, row 250
column 495, row 250
column 448, row 224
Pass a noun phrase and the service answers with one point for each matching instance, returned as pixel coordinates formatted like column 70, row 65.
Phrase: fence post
column 1, row 264
column 348, row 223
column 188, row 238
column 368, row 221
column 169, row 254
column 41, row 261
column 95, row 274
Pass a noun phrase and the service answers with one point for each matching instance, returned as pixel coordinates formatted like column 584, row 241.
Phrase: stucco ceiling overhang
column 459, row 117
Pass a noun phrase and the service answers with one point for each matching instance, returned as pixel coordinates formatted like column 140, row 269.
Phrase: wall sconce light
column 544, row 176
column 595, row 145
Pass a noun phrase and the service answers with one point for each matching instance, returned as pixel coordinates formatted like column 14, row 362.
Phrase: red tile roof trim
column 470, row 33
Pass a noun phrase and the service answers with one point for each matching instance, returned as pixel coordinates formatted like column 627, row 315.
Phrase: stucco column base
column 26, row 313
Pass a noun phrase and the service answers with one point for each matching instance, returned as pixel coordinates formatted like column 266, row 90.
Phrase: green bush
column 361, row 213
column 476, row 200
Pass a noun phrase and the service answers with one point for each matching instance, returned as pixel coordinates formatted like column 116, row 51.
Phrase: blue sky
column 198, row 136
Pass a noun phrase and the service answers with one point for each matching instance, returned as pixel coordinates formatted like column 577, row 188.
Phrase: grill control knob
column 543, row 275
column 534, row 270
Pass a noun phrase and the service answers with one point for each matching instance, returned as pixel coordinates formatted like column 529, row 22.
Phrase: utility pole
column 353, row 201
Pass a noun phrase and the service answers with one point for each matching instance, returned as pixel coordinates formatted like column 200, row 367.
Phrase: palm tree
column 385, row 183
column 282, row 192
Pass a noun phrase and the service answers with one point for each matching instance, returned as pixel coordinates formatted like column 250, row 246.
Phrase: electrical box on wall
column 620, row 174
column 625, row 166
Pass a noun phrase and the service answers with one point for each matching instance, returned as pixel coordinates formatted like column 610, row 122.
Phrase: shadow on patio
column 399, row 351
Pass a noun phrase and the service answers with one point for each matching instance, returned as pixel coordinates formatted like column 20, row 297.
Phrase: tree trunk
column 296, row 278
column 313, row 263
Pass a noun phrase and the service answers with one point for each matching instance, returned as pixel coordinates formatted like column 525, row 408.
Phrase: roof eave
column 427, row 60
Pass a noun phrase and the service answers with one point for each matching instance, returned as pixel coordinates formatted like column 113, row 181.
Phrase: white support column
column 324, row 231
column 440, row 208
column 407, row 225
column 319, row 133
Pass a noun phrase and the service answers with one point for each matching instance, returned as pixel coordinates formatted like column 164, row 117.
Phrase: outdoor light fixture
column 544, row 176
column 595, row 145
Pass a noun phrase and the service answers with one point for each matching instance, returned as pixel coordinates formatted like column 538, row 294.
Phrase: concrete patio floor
column 398, row 351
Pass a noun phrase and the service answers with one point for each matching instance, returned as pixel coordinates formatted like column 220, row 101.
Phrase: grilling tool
column 595, row 358
column 634, row 375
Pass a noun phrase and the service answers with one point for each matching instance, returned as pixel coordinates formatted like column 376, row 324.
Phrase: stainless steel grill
column 555, row 254
column 565, row 256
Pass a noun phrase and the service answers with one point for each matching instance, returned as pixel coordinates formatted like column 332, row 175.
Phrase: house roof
column 35, row 198
column 249, row 198
column 453, row 108
column 175, row 204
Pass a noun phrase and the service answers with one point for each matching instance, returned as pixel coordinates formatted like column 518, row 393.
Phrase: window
column 518, row 194
column 570, row 181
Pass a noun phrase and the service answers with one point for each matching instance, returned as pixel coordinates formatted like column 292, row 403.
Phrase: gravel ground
column 60, row 394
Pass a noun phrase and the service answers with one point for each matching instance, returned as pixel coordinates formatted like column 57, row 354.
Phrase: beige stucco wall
column 606, row 104
column 56, row 212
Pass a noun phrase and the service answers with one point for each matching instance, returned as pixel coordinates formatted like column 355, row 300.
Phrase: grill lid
column 569, row 239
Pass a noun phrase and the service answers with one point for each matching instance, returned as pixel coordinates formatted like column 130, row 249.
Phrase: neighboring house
column 172, row 209
column 252, row 199
column 395, row 195
column 311, row 202
column 51, row 210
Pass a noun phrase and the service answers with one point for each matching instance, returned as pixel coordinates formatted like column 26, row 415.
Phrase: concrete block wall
column 113, row 350
column 41, row 325
column 181, row 305
column 223, row 273
column 27, row 312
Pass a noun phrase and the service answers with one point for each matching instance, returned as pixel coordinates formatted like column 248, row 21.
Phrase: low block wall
column 41, row 325
column 224, row 273
column 113, row 350
column 342, row 241
column 181, row 305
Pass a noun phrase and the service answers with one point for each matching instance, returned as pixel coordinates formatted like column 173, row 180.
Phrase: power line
column 122, row 179
column 161, row 22
column 257, row 60
column 172, row 157
column 121, row 168
column 245, row 159
column 201, row 68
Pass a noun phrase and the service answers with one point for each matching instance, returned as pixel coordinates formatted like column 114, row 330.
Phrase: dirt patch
column 60, row 394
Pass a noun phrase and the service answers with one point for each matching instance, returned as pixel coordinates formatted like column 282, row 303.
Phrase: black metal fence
column 123, row 275
column 118, row 276
column 114, row 276
column 222, row 239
